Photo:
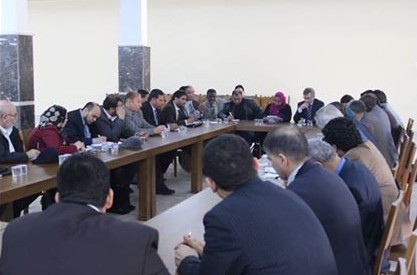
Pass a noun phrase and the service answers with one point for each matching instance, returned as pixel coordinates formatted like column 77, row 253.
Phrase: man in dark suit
column 307, row 109
column 326, row 194
column 174, row 113
column 78, row 121
column 364, row 188
column 11, row 149
column 258, row 228
column 74, row 236
column 151, row 109
column 111, row 125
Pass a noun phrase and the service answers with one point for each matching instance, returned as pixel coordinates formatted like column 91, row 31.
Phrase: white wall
column 337, row 47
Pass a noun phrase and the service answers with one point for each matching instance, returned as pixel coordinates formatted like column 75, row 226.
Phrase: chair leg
column 175, row 166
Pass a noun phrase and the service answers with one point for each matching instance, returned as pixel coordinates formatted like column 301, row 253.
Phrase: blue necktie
column 309, row 115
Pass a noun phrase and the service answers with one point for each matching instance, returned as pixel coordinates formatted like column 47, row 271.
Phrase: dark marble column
column 16, row 76
column 134, row 68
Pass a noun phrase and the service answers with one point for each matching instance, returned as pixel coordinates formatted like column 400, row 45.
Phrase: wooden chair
column 407, row 252
column 405, row 158
column 388, row 232
column 409, row 129
column 25, row 135
column 410, row 178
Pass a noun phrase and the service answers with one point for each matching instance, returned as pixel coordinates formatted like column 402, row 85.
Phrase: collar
column 82, row 118
column 176, row 107
column 112, row 118
column 6, row 131
column 93, row 207
column 340, row 165
column 294, row 172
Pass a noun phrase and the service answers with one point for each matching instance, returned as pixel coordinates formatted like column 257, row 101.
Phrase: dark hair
column 382, row 97
column 111, row 101
column 178, row 94
column 89, row 105
column 309, row 91
column 342, row 133
column 155, row 93
column 367, row 92
column 357, row 106
column 236, row 92
column 228, row 161
column 184, row 88
column 83, row 178
column 346, row 99
column 289, row 141
column 143, row 93
column 239, row 86
column 370, row 100
column 211, row 91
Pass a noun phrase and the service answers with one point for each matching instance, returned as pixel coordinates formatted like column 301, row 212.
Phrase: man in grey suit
column 74, row 236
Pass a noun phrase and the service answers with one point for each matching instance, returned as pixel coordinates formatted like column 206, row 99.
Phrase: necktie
column 155, row 114
column 309, row 116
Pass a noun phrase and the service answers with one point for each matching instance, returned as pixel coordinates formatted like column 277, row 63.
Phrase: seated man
column 242, row 234
column 77, row 126
column 11, row 149
column 364, row 188
column 325, row 193
column 74, row 236
column 174, row 112
column 191, row 106
column 151, row 109
column 212, row 105
column 307, row 109
column 325, row 114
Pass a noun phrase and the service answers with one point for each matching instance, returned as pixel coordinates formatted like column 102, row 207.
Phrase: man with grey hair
column 326, row 114
column 11, row 149
column 307, row 109
column 326, row 194
column 364, row 188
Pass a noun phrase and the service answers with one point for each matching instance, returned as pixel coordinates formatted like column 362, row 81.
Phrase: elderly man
column 11, row 149
column 307, row 109
column 74, row 236
column 77, row 126
column 212, row 105
column 326, row 194
column 325, row 114
column 134, row 121
column 191, row 106
column 242, row 234
column 364, row 188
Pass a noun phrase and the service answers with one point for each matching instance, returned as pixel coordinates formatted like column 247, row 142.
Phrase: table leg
column 146, row 186
column 196, row 167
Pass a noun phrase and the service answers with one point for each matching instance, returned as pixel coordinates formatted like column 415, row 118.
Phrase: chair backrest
column 409, row 129
column 404, row 159
column 388, row 232
column 25, row 135
column 411, row 179
column 401, row 267
column 410, row 252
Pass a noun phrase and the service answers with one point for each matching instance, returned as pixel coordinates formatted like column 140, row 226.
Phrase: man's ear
column 256, row 164
column 212, row 184
column 57, row 197
column 109, row 199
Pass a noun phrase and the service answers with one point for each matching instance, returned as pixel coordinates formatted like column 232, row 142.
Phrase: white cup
column 16, row 171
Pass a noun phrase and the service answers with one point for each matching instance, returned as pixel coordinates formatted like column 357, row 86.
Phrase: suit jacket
column 285, row 113
column 134, row 122
column 378, row 125
column 317, row 104
column 113, row 130
column 251, row 110
column 169, row 115
column 365, row 190
column 335, row 207
column 18, row 156
column 70, row 238
column 74, row 129
column 262, row 229
column 371, row 157
column 148, row 114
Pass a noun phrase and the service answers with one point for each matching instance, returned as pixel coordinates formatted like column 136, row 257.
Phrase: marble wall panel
column 134, row 68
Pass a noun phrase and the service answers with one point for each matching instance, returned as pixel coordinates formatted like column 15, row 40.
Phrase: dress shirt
column 112, row 118
column 292, row 175
column 6, row 133
column 340, row 165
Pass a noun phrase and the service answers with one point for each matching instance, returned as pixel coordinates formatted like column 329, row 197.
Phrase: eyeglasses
column 13, row 115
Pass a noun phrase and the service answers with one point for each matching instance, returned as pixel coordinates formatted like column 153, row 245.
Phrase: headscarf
column 274, row 109
column 54, row 115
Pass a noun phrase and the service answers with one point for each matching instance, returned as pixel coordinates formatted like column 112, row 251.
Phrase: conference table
column 43, row 177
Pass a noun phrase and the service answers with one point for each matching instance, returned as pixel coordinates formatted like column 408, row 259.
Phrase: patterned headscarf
column 54, row 115
column 274, row 109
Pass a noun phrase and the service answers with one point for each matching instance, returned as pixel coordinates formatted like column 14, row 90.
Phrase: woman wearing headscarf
column 49, row 132
column 279, row 108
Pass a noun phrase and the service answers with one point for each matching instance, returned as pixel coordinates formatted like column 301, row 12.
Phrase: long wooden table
column 179, row 220
column 43, row 177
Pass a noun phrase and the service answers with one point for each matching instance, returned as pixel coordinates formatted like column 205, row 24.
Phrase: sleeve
column 225, row 111
column 112, row 131
column 73, row 134
column 222, row 254
column 297, row 115
column 52, row 139
column 7, row 157
column 286, row 113
column 153, row 263
column 167, row 116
